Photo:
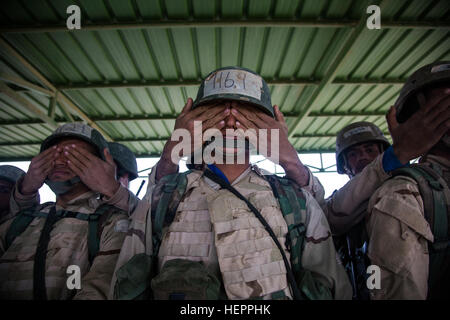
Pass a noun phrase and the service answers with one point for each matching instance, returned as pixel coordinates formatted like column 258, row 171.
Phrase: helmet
column 10, row 173
column 432, row 73
column 356, row 133
column 235, row 83
column 125, row 159
column 79, row 131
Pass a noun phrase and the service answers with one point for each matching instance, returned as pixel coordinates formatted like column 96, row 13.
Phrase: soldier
column 80, row 230
column 365, row 155
column 8, row 178
column 228, row 230
column 125, row 161
column 408, row 216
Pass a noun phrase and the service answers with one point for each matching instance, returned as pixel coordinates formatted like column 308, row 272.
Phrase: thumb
column 108, row 156
column 391, row 120
column 187, row 106
column 278, row 114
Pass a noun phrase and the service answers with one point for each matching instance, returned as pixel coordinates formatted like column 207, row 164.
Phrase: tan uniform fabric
column 398, row 234
column 347, row 206
column 215, row 227
column 68, row 246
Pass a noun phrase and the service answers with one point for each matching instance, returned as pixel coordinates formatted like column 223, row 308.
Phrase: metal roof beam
column 185, row 23
column 173, row 117
column 61, row 97
column 24, row 84
column 331, row 72
column 155, row 139
column 26, row 104
column 217, row 23
column 194, row 83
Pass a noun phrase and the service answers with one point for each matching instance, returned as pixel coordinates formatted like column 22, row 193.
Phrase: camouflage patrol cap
column 425, row 76
column 10, row 173
column 356, row 133
column 125, row 159
column 235, row 83
column 79, row 131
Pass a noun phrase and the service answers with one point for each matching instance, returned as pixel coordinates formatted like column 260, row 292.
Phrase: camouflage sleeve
column 319, row 255
column 398, row 234
column 20, row 201
column 96, row 283
column 137, row 240
column 315, row 188
column 124, row 199
column 346, row 207
column 4, row 227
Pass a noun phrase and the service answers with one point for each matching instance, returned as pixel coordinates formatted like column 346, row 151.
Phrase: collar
column 89, row 200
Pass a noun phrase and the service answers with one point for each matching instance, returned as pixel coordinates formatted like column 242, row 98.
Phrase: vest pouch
column 313, row 289
column 133, row 279
column 181, row 279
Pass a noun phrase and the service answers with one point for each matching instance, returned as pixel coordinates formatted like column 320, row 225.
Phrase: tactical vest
column 435, row 193
column 167, row 197
column 434, row 190
column 23, row 219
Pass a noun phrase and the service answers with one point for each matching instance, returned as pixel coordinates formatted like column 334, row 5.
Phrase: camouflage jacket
column 399, row 234
column 67, row 246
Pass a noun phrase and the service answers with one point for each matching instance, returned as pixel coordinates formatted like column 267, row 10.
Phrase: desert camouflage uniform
column 68, row 245
column 348, row 205
column 213, row 226
column 398, row 235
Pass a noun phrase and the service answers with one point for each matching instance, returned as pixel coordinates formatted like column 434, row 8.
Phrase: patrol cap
column 79, row 131
column 125, row 159
column 10, row 173
column 235, row 83
column 356, row 133
column 425, row 76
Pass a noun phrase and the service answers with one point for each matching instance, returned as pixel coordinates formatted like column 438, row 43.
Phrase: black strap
column 290, row 275
column 39, row 287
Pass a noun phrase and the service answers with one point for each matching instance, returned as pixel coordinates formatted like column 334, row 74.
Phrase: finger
column 45, row 155
column 80, row 153
column 433, row 100
column 187, row 107
column 75, row 160
column 443, row 129
column 391, row 119
column 75, row 169
column 216, row 119
column 278, row 114
column 210, row 112
column 243, row 119
column 439, row 114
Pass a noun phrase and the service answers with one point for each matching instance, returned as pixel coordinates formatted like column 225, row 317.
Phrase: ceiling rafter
column 59, row 96
column 331, row 73
column 216, row 23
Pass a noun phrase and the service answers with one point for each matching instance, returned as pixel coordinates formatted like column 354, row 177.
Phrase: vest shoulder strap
column 293, row 207
column 165, row 200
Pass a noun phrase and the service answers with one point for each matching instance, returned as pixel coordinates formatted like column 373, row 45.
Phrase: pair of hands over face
column 96, row 174
column 243, row 116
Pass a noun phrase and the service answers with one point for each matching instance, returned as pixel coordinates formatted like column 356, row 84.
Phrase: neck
column 76, row 191
column 233, row 171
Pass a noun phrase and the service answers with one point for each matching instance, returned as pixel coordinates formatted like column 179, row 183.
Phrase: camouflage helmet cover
column 432, row 73
column 79, row 131
column 356, row 133
column 125, row 159
column 235, row 83
column 10, row 173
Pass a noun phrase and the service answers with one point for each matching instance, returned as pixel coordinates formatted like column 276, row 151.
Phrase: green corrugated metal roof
column 134, row 63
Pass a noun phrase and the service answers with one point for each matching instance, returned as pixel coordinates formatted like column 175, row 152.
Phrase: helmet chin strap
column 62, row 187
